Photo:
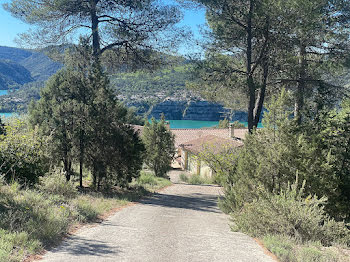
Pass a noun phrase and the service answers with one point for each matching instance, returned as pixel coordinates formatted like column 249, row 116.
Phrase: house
column 190, row 150
column 184, row 135
column 189, row 142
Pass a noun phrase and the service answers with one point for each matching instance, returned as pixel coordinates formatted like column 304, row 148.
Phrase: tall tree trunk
column 66, row 165
column 67, row 168
column 250, row 80
column 251, row 104
column 259, row 104
column 96, row 48
column 299, row 96
column 265, row 64
column 81, row 163
column 81, row 157
column 94, row 176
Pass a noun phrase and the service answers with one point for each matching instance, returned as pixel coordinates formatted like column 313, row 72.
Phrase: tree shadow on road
column 197, row 202
column 79, row 246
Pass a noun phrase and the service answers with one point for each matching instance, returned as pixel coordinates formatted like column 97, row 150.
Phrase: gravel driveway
column 182, row 223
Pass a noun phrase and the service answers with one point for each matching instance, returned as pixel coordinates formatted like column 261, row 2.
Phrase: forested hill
column 162, row 91
column 20, row 66
column 142, row 89
column 152, row 86
column 13, row 75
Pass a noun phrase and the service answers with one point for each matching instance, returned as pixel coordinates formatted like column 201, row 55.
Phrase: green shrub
column 313, row 254
column 150, row 182
column 184, row 178
column 273, row 155
column 237, row 124
column 85, row 211
column 14, row 246
column 196, row 179
column 28, row 209
column 159, row 144
column 282, row 246
column 290, row 250
column 147, row 178
column 291, row 214
column 22, row 154
column 55, row 183
column 223, row 163
column 223, row 123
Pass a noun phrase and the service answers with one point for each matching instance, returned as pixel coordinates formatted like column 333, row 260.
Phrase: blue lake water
column 3, row 92
column 7, row 114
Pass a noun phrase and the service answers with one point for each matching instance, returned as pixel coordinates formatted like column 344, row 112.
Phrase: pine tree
column 87, row 122
column 159, row 144
column 130, row 28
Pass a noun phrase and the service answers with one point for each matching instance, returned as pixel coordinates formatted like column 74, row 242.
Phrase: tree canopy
column 159, row 144
column 87, row 123
column 256, row 47
column 129, row 27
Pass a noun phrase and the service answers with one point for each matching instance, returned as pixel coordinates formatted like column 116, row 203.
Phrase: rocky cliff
column 193, row 110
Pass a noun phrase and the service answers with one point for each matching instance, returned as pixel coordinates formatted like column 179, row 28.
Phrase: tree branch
column 110, row 46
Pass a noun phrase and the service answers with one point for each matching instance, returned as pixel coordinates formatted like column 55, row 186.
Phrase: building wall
column 194, row 165
column 206, row 171
column 184, row 158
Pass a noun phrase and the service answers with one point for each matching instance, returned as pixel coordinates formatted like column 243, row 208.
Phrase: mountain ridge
column 22, row 66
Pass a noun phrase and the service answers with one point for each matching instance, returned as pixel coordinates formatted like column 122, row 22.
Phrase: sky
column 11, row 27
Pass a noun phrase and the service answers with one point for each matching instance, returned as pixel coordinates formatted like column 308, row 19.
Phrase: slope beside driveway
column 182, row 223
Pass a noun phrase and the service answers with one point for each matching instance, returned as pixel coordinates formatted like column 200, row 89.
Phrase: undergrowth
column 288, row 249
column 151, row 182
column 294, row 227
column 196, row 179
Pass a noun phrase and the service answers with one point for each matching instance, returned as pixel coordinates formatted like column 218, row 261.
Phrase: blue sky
column 11, row 26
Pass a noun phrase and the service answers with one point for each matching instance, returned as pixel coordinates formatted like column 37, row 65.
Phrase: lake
column 7, row 114
column 3, row 92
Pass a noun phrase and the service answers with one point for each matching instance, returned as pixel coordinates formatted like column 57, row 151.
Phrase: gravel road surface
column 182, row 223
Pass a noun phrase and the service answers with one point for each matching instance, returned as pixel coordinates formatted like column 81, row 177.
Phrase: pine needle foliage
column 159, row 144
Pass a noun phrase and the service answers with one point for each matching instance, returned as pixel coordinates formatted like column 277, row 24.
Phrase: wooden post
column 198, row 167
column 186, row 160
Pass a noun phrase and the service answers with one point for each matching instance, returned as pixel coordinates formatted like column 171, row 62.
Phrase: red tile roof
column 215, row 144
column 184, row 135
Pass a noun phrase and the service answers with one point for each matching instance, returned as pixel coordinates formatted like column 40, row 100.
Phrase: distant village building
column 189, row 152
column 190, row 142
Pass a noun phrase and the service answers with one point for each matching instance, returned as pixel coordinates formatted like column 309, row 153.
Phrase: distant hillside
column 40, row 66
column 13, row 75
column 14, row 54
column 157, row 85
column 161, row 91
column 21, row 66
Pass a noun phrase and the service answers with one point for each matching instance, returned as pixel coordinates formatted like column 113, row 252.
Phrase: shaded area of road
column 182, row 223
